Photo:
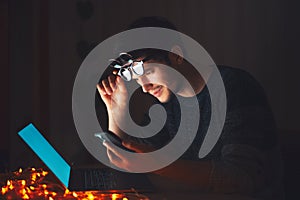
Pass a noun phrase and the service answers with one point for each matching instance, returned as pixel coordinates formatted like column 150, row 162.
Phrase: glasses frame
column 128, row 66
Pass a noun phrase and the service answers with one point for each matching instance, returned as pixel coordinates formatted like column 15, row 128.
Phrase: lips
column 157, row 91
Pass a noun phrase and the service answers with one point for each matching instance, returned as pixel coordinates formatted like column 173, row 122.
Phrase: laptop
column 81, row 178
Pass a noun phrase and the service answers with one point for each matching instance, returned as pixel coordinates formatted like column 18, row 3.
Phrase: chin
column 165, row 97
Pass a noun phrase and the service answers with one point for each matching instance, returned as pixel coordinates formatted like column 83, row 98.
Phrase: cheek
column 160, row 80
column 168, row 83
column 165, row 96
column 160, row 77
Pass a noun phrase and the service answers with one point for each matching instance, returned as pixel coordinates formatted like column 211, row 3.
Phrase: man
column 244, row 160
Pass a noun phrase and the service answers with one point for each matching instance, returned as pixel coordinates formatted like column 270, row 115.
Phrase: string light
column 31, row 184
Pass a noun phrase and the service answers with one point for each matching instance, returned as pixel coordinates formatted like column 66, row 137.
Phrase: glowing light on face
column 159, row 80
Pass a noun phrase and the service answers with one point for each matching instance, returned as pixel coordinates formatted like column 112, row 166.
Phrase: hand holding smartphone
column 109, row 136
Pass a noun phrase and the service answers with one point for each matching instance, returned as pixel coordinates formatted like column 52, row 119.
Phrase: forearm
column 113, row 126
column 240, row 170
column 212, row 176
column 117, row 122
column 230, row 178
column 193, row 173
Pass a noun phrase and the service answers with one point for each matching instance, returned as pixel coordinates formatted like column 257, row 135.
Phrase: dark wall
column 4, row 86
column 49, row 39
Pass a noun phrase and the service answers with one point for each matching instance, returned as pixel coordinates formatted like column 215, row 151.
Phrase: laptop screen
column 46, row 153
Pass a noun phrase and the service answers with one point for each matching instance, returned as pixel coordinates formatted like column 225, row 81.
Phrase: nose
column 147, row 87
column 145, row 83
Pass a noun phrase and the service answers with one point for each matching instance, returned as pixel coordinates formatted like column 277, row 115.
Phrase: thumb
column 132, row 146
column 137, row 147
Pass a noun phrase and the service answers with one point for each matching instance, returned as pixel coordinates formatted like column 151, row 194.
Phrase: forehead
column 154, row 64
column 150, row 59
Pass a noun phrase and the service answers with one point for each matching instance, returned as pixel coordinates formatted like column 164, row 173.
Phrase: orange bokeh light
column 30, row 184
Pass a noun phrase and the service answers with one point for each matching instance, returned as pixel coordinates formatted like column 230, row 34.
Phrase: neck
column 195, row 83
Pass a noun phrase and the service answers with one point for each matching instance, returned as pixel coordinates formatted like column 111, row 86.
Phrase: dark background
column 44, row 42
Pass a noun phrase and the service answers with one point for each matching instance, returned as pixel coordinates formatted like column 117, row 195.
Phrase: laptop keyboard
column 102, row 179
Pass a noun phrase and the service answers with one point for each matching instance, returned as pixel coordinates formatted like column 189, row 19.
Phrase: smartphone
column 107, row 136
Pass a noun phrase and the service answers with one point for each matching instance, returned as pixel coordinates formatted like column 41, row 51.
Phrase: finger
column 113, row 149
column 121, row 84
column 115, row 160
column 115, row 72
column 112, row 82
column 137, row 147
column 131, row 146
column 101, row 90
column 106, row 87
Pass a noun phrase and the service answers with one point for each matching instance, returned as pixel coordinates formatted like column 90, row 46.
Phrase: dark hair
column 152, row 21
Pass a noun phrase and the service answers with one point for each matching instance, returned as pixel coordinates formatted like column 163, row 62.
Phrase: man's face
column 157, row 80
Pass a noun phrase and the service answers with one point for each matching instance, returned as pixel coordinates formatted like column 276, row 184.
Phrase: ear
column 177, row 55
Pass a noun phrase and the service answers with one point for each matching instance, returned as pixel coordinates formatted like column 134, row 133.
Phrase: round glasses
column 127, row 66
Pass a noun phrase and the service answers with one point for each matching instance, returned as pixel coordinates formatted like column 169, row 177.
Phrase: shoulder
column 234, row 75
column 241, row 87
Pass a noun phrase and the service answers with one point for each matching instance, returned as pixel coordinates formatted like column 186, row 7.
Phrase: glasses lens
column 138, row 68
column 125, row 74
